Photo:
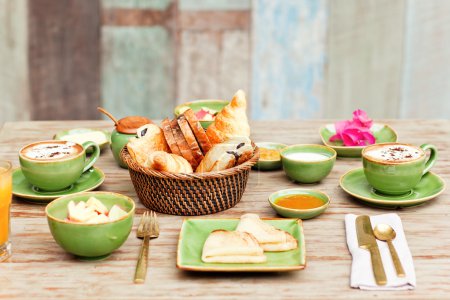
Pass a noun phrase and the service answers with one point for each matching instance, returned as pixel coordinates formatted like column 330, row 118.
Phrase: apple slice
column 98, row 206
column 80, row 212
column 116, row 213
column 98, row 219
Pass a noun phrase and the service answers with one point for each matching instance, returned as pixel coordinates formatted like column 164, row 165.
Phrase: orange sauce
column 5, row 202
column 269, row 154
column 299, row 201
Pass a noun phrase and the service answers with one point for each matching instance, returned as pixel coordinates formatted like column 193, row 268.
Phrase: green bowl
column 90, row 241
column 69, row 132
column 268, row 165
column 308, row 171
column 196, row 105
column 383, row 134
column 299, row 213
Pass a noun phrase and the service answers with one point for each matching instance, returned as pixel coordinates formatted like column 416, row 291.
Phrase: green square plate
column 383, row 134
column 194, row 232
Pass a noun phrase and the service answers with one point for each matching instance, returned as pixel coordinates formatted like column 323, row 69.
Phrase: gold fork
column 148, row 229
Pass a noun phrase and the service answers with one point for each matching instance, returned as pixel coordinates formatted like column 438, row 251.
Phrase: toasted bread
column 186, row 151
column 168, row 134
column 190, row 138
column 199, row 132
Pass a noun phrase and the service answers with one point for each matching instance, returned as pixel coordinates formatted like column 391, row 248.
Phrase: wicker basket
column 189, row 194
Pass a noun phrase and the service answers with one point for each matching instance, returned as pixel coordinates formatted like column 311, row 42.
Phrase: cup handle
column 94, row 156
column 432, row 159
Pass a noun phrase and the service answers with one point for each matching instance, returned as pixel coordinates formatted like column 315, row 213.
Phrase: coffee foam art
column 51, row 150
column 394, row 153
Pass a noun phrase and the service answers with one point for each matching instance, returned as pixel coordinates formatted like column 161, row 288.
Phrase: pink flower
column 360, row 117
column 354, row 132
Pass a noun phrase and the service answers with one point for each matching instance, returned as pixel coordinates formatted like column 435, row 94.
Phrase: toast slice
column 199, row 132
column 168, row 134
column 190, row 138
column 186, row 151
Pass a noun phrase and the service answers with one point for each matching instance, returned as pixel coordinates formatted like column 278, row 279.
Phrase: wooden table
column 40, row 269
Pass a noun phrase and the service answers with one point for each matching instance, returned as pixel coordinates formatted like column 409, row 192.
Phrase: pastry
column 190, row 138
column 168, row 162
column 231, row 121
column 186, row 151
column 226, row 155
column 168, row 134
column 269, row 237
column 223, row 246
column 151, row 138
column 199, row 132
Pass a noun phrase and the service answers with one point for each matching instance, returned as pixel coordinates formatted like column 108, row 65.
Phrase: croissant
column 230, row 121
column 150, row 138
column 163, row 161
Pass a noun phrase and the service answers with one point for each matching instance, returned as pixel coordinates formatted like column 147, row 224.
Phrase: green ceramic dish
column 268, row 165
column 194, row 233
column 77, row 131
column 355, row 183
column 90, row 241
column 88, row 181
column 307, row 171
column 383, row 134
column 299, row 213
column 196, row 105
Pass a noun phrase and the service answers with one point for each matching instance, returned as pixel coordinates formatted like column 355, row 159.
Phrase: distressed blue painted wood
column 288, row 58
column 138, row 71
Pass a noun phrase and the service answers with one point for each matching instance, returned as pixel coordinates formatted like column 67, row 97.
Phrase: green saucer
column 354, row 183
column 88, row 181
column 383, row 134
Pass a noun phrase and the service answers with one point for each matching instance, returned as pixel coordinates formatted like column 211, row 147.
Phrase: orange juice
column 5, row 201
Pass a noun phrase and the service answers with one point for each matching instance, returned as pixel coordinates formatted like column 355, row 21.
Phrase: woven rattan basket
column 189, row 194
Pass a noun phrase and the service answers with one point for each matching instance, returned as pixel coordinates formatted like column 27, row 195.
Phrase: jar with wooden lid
column 125, row 129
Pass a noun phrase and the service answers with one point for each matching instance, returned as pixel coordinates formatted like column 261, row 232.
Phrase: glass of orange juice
column 5, row 204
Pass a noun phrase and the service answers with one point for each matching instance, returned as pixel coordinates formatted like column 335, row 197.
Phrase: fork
column 148, row 229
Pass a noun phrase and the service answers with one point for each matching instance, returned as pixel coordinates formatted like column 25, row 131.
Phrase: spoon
column 386, row 233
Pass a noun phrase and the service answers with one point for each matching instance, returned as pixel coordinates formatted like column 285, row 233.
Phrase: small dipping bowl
column 90, row 241
column 299, row 213
column 265, row 164
column 306, row 171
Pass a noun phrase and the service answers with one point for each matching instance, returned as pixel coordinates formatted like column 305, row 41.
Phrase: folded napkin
column 362, row 274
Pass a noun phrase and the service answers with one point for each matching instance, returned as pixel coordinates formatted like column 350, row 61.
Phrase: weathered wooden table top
column 40, row 269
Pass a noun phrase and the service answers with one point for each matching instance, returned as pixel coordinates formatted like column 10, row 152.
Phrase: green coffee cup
column 307, row 163
column 55, row 174
column 397, row 177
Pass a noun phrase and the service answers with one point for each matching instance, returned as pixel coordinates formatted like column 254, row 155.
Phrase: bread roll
column 226, row 155
column 168, row 162
column 150, row 138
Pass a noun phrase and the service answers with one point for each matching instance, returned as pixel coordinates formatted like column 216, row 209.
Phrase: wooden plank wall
column 297, row 59
column 426, row 67
column 63, row 58
column 365, row 53
column 156, row 54
column 14, row 92
column 288, row 58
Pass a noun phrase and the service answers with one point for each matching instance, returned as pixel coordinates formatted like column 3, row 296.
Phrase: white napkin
column 362, row 274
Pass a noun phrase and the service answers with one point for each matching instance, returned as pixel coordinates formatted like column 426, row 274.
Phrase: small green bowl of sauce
column 299, row 203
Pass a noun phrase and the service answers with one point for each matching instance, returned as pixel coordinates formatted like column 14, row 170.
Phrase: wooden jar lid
column 127, row 125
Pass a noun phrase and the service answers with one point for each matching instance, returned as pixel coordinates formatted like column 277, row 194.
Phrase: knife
column 367, row 241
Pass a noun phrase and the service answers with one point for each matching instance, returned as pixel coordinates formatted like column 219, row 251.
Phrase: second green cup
column 307, row 163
